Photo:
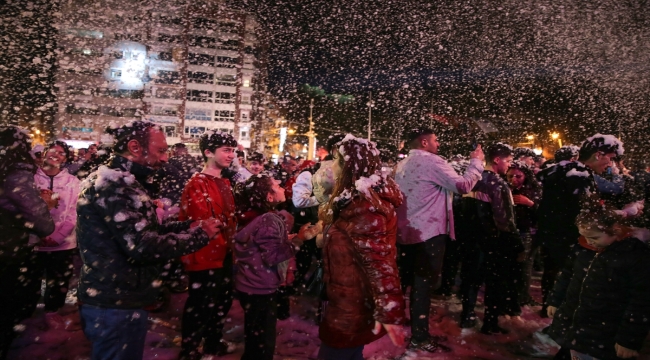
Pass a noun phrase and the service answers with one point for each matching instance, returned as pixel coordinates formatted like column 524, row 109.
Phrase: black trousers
column 450, row 265
column 209, row 299
column 57, row 270
column 471, row 276
column 502, row 277
column 304, row 259
column 20, row 283
column 427, row 265
column 260, row 319
column 553, row 260
column 526, row 269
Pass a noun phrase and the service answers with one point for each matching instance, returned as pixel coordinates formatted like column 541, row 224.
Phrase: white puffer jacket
column 67, row 187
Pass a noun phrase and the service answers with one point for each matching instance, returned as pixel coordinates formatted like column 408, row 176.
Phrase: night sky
column 580, row 64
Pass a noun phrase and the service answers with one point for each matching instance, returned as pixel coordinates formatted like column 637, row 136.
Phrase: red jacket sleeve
column 194, row 201
column 374, row 237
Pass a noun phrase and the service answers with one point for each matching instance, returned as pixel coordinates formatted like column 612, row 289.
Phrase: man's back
column 564, row 187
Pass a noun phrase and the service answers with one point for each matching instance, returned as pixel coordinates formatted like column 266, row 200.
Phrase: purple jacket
column 259, row 248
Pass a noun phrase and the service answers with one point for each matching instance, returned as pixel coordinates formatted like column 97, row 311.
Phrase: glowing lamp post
column 311, row 134
column 556, row 136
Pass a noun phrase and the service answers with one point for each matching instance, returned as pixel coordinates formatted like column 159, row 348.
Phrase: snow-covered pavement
column 297, row 336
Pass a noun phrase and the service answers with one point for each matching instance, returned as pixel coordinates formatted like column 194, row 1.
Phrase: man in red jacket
column 208, row 195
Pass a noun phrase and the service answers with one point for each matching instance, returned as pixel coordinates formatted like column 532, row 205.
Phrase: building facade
column 189, row 67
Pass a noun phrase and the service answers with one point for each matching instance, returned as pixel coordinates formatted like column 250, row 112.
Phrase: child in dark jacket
column 262, row 250
column 601, row 300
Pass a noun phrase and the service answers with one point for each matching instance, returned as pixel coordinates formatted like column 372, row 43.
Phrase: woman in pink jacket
column 60, row 191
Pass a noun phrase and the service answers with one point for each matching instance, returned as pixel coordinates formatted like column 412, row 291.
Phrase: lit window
column 198, row 114
column 247, row 83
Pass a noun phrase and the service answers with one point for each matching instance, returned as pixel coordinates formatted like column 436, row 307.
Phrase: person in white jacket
column 54, row 254
column 425, row 220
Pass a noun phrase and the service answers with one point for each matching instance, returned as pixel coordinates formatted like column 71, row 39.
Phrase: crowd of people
column 364, row 233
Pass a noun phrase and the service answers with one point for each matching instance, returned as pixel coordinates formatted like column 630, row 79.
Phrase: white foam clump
column 610, row 140
column 364, row 184
column 575, row 172
column 369, row 144
column 105, row 176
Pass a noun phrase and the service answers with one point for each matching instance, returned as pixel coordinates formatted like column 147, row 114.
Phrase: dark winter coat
column 360, row 269
column 564, row 190
column 121, row 243
column 21, row 206
column 526, row 216
column 259, row 248
column 489, row 210
column 174, row 175
column 603, row 299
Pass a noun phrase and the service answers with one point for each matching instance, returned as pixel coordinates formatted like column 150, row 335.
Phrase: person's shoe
column 468, row 321
column 493, row 329
column 428, row 345
column 222, row 348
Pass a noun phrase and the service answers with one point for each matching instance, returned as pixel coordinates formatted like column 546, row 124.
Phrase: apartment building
column 189, row 67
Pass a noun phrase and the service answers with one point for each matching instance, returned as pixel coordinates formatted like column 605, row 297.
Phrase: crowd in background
column 364, row 232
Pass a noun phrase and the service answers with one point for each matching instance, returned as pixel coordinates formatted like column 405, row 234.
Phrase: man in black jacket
column 565, row 186
column 123, row 246
column 489, row 211
column 174, row 174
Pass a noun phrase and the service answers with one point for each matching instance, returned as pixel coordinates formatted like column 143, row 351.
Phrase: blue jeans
column 116, row 334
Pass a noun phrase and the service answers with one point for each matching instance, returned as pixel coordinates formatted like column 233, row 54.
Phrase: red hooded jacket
column 206, row 196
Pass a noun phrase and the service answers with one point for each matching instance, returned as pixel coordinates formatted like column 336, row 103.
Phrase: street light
column 556, row 136
column 311, row 134
column 370, row 104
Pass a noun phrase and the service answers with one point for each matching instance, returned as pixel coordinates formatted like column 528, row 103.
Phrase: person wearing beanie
column 207, row 194
column 565, row 187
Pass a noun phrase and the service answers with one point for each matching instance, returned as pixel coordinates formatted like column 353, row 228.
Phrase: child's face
column 597, row 238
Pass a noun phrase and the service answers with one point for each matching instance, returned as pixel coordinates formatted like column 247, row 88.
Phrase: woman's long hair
column 530, row 182
column 15, row 145
column 357, row 158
